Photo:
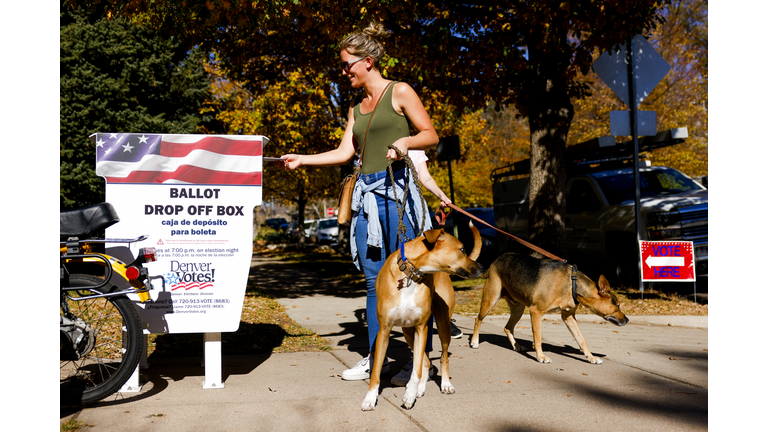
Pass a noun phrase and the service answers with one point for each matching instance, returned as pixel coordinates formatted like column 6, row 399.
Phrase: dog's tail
column 477, row 240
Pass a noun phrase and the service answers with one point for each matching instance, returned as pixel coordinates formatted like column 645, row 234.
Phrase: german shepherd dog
column 545, row 286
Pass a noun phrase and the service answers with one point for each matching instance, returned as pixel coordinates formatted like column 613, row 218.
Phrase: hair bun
column 365, row 43
column 375, row 30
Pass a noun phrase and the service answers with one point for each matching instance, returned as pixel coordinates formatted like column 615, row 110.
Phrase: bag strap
column 362, row 148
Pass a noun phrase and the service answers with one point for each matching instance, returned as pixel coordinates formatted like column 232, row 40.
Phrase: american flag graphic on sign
column 184, row 159
column 173, row 280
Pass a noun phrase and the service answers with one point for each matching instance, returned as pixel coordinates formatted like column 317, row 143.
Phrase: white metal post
column 133, row 385
column 212, row 361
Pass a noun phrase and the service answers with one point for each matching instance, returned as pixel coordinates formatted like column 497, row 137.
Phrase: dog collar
column 407, row 267
column 573, row 285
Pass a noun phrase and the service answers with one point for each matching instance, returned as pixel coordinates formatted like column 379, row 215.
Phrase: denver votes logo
column 187, row 276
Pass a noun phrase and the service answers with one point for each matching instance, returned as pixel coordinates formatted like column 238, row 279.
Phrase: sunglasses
column 345, row 66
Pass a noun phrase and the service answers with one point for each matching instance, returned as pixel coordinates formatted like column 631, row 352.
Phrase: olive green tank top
column 387, row 126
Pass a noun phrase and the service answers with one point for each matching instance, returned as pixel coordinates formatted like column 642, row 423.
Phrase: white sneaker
column 402, row 377
column 362, row 370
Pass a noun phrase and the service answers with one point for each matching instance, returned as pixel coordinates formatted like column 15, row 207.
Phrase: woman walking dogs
column 375, row 213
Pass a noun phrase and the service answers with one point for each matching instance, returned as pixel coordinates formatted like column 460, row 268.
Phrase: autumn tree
column 117, row 76
column 521, row 53
column 488, row 139
column 679, row 100
column 526, row 54
column 682, row 97
column 296, row 117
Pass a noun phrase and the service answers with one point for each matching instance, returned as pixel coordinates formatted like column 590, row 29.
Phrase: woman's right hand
column 444, row 200
column 291, row 161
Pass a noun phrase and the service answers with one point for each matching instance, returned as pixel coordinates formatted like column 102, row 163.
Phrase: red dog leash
column 441, row 221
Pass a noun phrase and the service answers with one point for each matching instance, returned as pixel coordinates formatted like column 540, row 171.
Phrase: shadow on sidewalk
column 164, row 370
column 286, row 280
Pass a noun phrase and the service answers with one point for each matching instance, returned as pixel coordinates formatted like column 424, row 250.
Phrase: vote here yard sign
column 194, row 196
column 667, row 261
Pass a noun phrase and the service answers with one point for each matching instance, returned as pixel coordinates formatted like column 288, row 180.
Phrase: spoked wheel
column 100, row 342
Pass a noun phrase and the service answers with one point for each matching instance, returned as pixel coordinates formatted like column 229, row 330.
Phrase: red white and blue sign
column 191, row 159
column 194, row 196
column 667, row 261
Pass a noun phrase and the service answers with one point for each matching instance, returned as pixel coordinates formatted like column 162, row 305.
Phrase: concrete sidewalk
column 654, row 377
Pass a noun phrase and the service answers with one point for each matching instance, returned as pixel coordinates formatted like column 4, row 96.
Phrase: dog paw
column 595, row 360
column 368, row 405
column 544, row 359
column 409, row 398
column 474, row 344
column 447, row 388
column 421, row 389
column 518, row 348
column 408, row 402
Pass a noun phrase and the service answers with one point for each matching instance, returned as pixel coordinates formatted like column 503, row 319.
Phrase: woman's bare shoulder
column 402, row 88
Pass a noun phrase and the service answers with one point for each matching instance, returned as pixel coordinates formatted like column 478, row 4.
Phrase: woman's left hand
column 402, row 145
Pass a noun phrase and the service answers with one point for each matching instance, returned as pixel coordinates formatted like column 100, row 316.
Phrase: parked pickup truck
column 600, row 207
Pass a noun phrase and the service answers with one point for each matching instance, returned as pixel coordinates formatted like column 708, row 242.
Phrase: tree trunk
column 550, row 115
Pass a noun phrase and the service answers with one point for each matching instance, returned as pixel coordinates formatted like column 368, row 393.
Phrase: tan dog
column 545, row 286
column 405, row 299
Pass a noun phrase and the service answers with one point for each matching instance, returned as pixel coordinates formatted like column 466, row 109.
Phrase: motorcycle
column 100, row 329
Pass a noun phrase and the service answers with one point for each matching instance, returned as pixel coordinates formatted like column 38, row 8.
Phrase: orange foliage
column 488, row 139
column 680, row 99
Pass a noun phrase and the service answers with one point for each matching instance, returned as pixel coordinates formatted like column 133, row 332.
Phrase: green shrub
column 271, row 235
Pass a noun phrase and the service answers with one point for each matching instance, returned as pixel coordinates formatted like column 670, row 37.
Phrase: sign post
column 448, row 149
column 193, row 195
column 632, row 73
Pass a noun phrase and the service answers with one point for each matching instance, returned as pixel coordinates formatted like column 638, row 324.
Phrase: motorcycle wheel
column 109, row 360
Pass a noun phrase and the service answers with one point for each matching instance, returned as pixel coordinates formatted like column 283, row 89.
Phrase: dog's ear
column 605, row 287
column 432, row 235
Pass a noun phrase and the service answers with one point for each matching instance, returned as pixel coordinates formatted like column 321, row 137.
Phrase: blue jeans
column 372, row 258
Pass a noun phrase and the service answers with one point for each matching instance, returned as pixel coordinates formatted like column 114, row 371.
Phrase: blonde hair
column 365, row 43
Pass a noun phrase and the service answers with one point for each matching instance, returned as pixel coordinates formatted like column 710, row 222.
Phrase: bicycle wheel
column 100, row 342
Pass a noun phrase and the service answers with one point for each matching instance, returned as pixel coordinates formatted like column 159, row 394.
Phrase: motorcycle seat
column 81, row 222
